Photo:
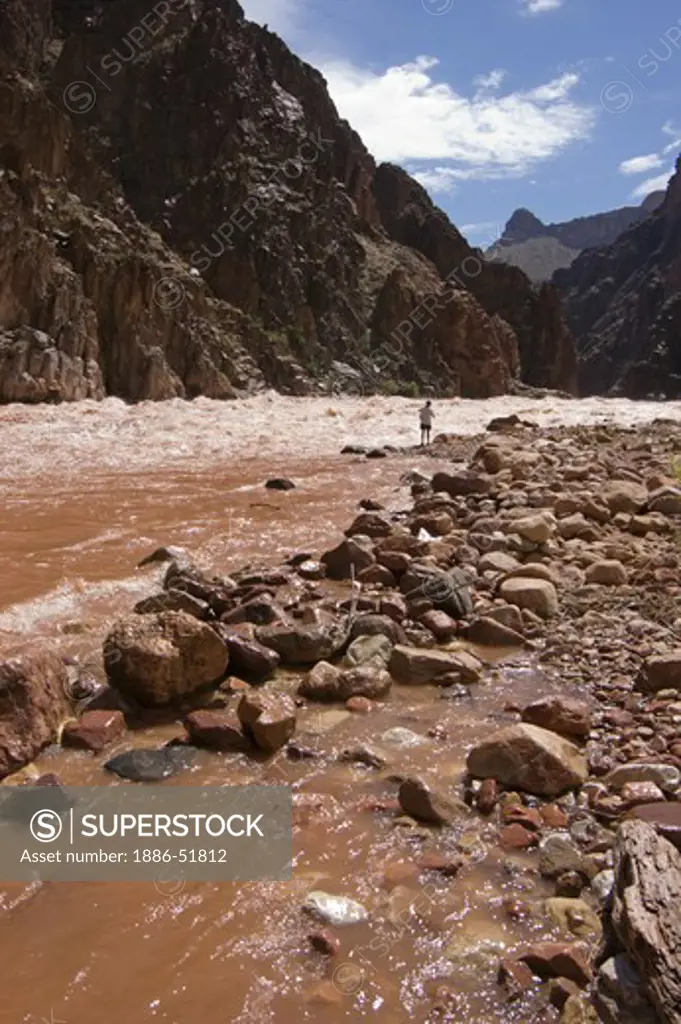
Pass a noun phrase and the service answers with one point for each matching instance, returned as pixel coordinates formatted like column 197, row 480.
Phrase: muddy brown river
column 86, row 492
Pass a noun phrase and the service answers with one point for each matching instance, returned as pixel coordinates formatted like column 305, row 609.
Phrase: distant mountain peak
column 523, row 225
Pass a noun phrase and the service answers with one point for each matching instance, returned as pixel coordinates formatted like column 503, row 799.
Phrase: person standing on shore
column 426, row 415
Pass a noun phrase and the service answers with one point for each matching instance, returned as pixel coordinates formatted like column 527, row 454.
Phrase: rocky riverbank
column 557, row 546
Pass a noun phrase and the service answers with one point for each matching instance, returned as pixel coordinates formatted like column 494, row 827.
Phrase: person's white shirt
column 426, row 416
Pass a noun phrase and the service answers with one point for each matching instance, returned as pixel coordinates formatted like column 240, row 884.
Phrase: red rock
column 94, row 730
column 529, row 817
column 560, row 990
column 34, row 691
column 441, row 625
column 516, row 837
column 443, row 864
column 48, row 779
column 516, row 977
column 563, row 715
column 269, row 719
column 359, row 705
column 553, row 816
column 487, row 796
column 557, row 960
column 235, row 685
column 216, row 730
column 324, row 942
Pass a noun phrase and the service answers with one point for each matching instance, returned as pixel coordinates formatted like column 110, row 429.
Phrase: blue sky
column 566, row 107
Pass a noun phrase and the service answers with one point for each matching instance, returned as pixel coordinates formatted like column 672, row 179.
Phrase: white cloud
column 640, row 164
column 404, row 115
column 657, row 184
column 540, row 6
column 280, row 16
column 491, row 81
column 437, row 179
column 650, row 162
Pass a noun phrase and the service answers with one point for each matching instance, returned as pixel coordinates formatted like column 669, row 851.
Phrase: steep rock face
column 623, row 305
column 189, row 215
column 541, row 249
column 545, row 347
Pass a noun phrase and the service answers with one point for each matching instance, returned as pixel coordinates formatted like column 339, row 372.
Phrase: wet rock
column 575, row 916
column 400, row 737
column 311, row 570
column 369, row 650
column 564, row 715
column 377, row 574
column 248, row 659
column 359, row 705
column 557, row 960
column 268, row 719
column 538, row 596
column 569, row 884
column 216, row 730
column 173, row 601
column 560, row 990
column 442, row 864
column 487, row 796
column 327, row 683
column 553, row 816
column 608, row 573
column 516, row 977
column 517, row 837
column 157, row 659
column 426, row 802
column 280, row 483
column 151, row 765
column 508, row 614
column 377, row 625
column 620, row 993
column 366, row 754
column 530, row 758
column 462, row 482
column 489, row 633
column 94, row 730
column 559, row 854
column 415, row 666
column 660, row 672
column 166, row 554
column 334, row 910
column 34, row 702
column 355, row 553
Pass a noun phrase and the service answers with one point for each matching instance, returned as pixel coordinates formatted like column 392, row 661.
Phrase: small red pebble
column 517, row 837
column 553, row 816
column 447, row 866
column 529, row 817
column 359, row 705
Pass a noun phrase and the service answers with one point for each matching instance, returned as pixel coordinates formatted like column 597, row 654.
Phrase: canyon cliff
column 185, row 213
column 623, row 304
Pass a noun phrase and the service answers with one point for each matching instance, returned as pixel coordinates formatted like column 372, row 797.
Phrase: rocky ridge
column 560, row 544
column 213, row 239
column 540, row 249
column 623, row 305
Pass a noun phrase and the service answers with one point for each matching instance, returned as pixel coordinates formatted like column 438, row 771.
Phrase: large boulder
column 158, row 659
column 527, row 757
column 565, row 715
column 34, row 703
